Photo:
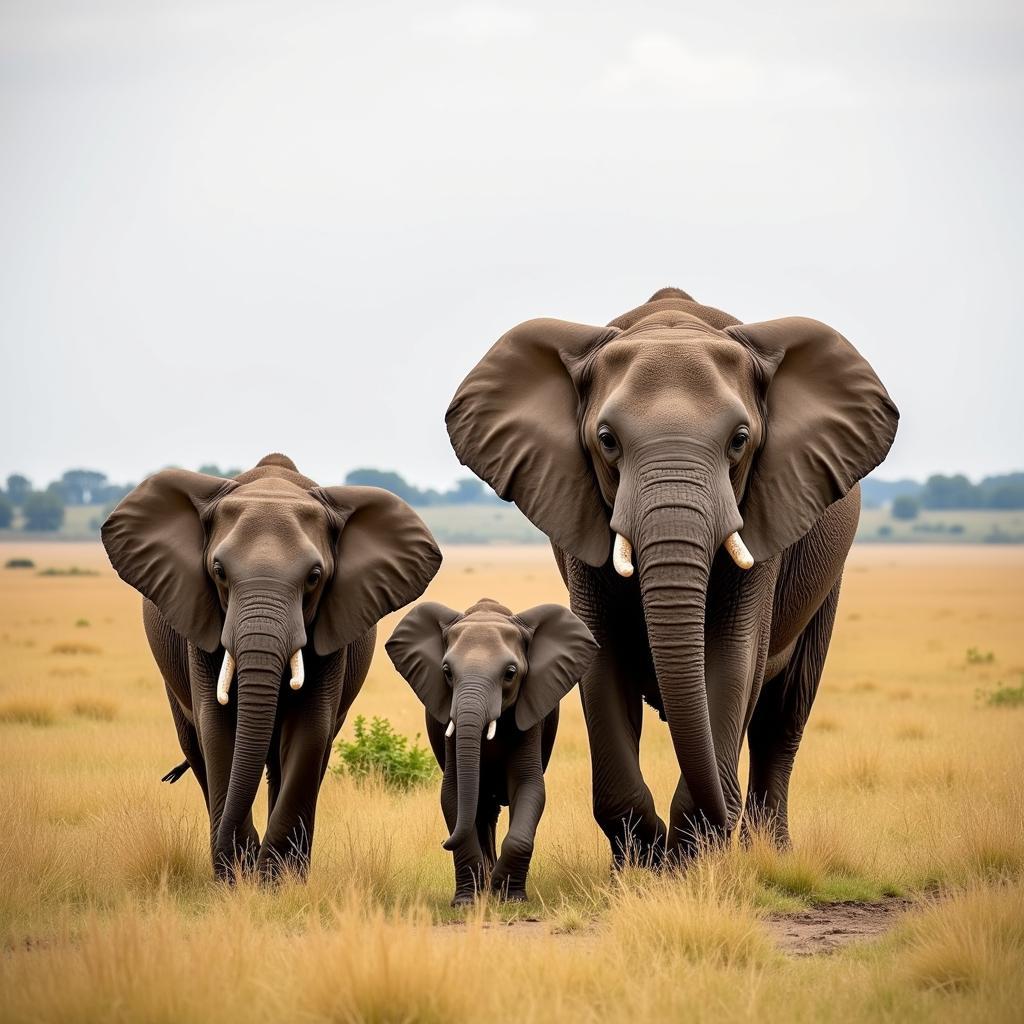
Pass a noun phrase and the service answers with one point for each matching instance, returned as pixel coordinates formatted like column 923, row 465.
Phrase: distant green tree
column 906, row 506
column 945, row 492
column 6, row 512
column 18, row 489
column 390, row 481
column 466, row 492
column 210, row 469
column 1007, row 494
column 44, row 511
column 80, row 486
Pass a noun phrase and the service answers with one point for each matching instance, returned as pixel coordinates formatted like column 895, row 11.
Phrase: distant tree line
column 468, row 491
column 43, row 511
column 955, row 493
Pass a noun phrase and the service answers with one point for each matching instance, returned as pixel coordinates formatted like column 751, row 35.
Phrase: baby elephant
column 488, row 670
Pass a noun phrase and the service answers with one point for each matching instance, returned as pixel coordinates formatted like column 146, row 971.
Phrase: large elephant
column 282, row 582
column 668, row 432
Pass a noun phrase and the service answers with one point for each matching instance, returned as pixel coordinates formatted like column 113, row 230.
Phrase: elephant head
column 257, row 567
column 469, row 668
column 673, row 433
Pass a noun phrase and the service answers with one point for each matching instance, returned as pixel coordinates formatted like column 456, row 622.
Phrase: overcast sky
column 231, row 228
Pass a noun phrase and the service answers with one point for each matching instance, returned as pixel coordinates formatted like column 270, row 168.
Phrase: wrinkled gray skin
column 676, row 426
column 471, row 669
column 263, row 566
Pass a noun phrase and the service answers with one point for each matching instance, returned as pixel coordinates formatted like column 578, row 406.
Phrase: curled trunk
column 676, row 543
column 261, row 657
column 469, row 718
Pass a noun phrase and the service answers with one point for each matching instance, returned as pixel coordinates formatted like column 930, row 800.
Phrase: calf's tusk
column 227, row 671
column 622, row 556
column 298, row 671
column 738, row 551
column 492, row 729
column 451, row 727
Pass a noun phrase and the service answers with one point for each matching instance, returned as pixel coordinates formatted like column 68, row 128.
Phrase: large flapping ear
column 384, row 557
column 559, row 652
column 830, row 422
column 514, row 422
column 416, row 649
column 156, row 541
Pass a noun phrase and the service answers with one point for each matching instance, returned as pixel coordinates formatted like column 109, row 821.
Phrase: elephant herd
column 698, row 481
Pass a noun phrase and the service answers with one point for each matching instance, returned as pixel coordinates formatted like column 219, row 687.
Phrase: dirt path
column 828, row 928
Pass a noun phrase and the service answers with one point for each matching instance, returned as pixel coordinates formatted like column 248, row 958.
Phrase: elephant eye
column 218, row 571
column 447, row 670
column 314, row 576
column 739, row 441
column 607, row 440
column 510, row 673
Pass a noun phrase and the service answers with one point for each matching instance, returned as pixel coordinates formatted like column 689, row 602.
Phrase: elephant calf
column 262, row 600
column 488, row 669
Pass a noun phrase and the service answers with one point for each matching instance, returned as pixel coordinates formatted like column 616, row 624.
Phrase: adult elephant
column 667, row 433
column 279, row 581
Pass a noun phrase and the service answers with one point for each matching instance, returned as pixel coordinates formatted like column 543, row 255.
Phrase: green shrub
column 378, row 752
column 975, row 656
column 19, row 563
column 1006, row 696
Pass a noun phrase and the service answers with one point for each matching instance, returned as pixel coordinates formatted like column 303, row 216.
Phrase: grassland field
column 908, row 785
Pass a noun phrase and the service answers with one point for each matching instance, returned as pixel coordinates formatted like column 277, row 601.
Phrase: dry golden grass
column 906, row 783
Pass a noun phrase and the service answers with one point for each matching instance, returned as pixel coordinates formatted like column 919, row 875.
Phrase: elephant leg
column 470, row 865
column 307, row 727
column 188, row 740
column 486, row 830
column 777, row 724
column 623, row 805
column 215, row 727
column 525, row 779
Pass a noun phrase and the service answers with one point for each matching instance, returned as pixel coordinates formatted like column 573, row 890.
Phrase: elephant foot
column 463, row 899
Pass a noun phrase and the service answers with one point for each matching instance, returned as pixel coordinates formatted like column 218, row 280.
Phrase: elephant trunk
column 469, row 716
column 261, row 653
column 677, row 537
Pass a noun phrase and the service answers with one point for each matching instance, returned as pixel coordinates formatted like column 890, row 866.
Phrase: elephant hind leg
column 777, row 724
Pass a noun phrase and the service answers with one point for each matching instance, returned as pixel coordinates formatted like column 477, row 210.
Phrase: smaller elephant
column 488, row 669
column 262, row 596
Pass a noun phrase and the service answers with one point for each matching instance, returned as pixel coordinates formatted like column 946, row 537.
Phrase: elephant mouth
column 622, row 553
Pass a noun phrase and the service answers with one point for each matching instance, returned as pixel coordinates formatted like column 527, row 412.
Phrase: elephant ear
column 156, row 541
column 560, row 649
column 514, row 422
column 384, row 557
column 416, row 649
column 829, row 423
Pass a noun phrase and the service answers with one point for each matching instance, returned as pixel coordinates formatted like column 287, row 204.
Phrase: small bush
column 19, row 563
column 975, row 656
column 905, row 506
column 73, row 571
column 27, row 712
column 1005, row 696
column 81, row 622
column 379, row 752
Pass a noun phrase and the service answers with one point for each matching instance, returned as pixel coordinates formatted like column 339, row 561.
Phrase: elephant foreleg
column 777, row 724
column 623, row 805
column 525, row 780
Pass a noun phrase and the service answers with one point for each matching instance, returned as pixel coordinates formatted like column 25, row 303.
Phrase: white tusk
column 492, row 729
column 738, row 551
column 298, row 672
column 227, row 671
column 451, row 728
column 622, row 556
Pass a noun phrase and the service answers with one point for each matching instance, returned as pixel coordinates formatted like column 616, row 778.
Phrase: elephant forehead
column 483, row 631
column 247, row 514
column 699, row 364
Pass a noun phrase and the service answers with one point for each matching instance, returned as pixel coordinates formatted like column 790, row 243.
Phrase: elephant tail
column 176, row 772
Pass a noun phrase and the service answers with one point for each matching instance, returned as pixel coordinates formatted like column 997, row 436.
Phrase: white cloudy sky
column 228, row 228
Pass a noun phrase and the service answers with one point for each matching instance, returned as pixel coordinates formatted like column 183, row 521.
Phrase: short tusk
column 738, row 551
column 622, row 556
column 492, row 729
column 451, row 728
column 298, row 671
column 227, row 671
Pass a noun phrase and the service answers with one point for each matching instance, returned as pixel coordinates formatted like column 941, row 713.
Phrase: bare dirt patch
column 827, row 928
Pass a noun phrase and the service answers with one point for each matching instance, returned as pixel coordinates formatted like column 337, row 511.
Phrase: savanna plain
column 906, row 799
